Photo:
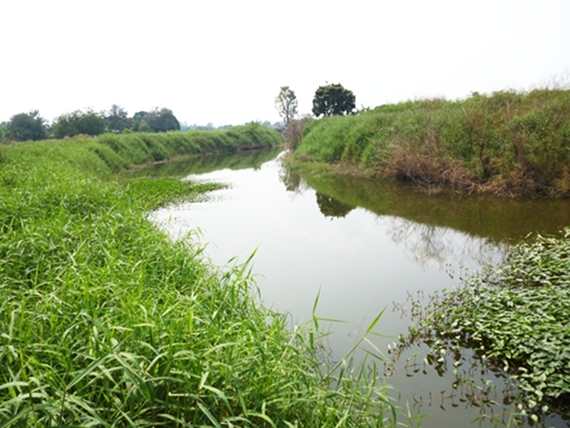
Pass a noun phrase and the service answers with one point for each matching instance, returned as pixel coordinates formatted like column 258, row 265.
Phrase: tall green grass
column 106, row 322
column 507, row 143
column 115, row 152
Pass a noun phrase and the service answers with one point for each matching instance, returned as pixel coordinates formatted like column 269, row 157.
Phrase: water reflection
column 331, row 207
column 471, row 380
column 443, row 247
column 386, row 241
column 203, row 164
column 291, row 180
column 499, row 220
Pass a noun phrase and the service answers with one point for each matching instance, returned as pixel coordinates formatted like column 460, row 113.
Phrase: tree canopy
column 78, row 122
column 286, row 104
column 156, row 120
column 332, row 100
column 27, row 126
column 117, row 119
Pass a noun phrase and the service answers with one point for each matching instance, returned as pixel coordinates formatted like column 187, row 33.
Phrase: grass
column 507, row 143
column 106, row 322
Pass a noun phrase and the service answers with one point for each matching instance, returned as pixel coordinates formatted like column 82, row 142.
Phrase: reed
column 105, row 321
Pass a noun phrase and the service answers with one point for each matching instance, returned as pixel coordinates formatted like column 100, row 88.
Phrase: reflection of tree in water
column 441, row 245
column 293, row 182
column 331, row 207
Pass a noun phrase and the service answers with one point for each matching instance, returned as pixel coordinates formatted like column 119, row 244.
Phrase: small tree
column 330, row 100
column 286, row 104
column 27, row 126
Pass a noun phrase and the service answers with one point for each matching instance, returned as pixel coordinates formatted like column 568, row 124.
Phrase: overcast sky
column 224, row 61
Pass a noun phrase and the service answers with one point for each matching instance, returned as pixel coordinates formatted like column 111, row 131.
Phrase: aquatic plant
column 516, row 319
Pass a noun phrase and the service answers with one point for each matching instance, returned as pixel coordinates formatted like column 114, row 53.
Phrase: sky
column 224, row 61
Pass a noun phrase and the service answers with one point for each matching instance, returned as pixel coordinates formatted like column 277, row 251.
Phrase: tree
column 162, row 120
column 78, row 122
column 156, row 120
column 117, row 119
column 332, row 100
column 286, row 104
column 27, row 126
column 139, row 125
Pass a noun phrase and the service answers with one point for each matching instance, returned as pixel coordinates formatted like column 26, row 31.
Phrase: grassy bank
column 507, row 143
column 117, row 152
column 104, row 321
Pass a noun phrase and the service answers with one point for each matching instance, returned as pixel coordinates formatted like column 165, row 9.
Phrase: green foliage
column 117, row 119
column 5, row 133
column 507, row 143
column 105, row 321
column 333, row 100
column 27, row 126
column 516, row 316
column 286, row 104
column 120, row 151
column 156, row 120
column 326, row 139
column 78, row 122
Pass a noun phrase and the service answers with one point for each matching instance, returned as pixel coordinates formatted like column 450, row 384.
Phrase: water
column 359, row 248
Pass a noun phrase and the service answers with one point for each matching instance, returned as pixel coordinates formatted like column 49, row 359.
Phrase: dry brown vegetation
column 509, row 143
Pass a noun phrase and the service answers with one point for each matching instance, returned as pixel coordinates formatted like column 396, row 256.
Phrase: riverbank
column 106, row 321
column 512, row 144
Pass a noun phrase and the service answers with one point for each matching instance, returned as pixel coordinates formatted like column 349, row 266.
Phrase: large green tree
column 286, row 104
column 156, row 120
column 333, row 99
column 27, row 126
column 78, row 122
column 162, row 120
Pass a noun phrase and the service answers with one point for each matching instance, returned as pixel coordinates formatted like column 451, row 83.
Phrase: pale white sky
column 223, row 61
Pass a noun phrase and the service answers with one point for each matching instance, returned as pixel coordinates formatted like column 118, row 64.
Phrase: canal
column 345, row 250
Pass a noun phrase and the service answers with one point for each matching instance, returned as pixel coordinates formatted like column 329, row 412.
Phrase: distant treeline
column 507, row 143
column 210, row 126
column 32, row 126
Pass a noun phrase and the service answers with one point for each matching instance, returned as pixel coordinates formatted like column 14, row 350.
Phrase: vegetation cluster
column 105, row 321
column 31, row 126
column 515, row 317
column 117, row 152
column 506, row 143
column 333, row 100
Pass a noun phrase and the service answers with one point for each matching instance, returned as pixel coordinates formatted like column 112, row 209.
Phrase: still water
column 360, row 248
